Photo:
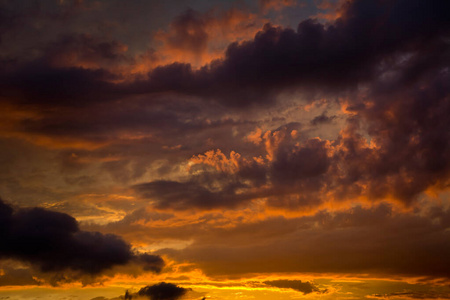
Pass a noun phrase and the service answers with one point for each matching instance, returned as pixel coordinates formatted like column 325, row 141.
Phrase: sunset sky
column 220, row 150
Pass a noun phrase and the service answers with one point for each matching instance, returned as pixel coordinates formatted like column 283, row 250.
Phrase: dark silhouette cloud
column 163, row 291
column 54, row 242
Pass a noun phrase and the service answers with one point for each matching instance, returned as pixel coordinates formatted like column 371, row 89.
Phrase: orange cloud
column 199, row 38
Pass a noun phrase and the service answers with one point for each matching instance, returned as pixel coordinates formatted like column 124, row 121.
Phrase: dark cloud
column 39, row 83
column 72, row 70
column 161, row 121
column 292, row 164
column 186, row 195
column 408, row 129
column 150, row 262
column 336, row 56
column 163, row 291
column 322, row 119
column 304, row 287
column 54, row 242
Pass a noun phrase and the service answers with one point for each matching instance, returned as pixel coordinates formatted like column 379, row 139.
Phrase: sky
column 220, row 150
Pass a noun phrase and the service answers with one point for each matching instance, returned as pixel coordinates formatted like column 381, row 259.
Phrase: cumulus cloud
column 53, row 242
column 332, row 57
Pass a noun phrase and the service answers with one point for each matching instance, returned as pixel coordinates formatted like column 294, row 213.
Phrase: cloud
column 322, row 119
column 219, row 181
column 414, row 295
column 85, row 51
column 303, row 287
column 53, row 242
column 293, row 164
column 188, row 32
column 255, row 71
column 200, row 37
column 17, row 276
column 408, row 149
column 163, row 291
column 40, row 84
column 192, row 194
column 334, row 57
column 379, row 241
column 393, row 145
